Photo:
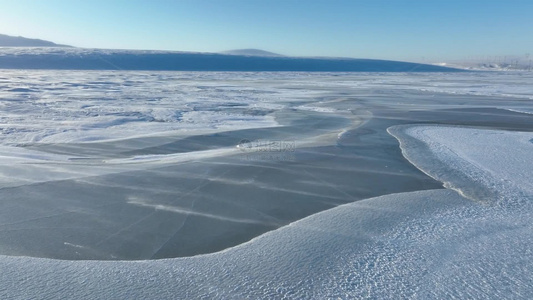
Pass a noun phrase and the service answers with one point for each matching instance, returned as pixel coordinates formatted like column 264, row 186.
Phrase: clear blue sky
column 387, row 29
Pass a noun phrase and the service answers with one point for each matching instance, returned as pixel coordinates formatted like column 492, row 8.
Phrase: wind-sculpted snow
column 82, row 110
column 61, row 107
column 75, row 106
column 524, row 110
column 101, row 59
column 478, row 163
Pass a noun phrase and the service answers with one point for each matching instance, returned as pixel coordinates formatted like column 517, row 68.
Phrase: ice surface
column 126, row 142
column 505, row 84
column 430, row 244
column 137, row 165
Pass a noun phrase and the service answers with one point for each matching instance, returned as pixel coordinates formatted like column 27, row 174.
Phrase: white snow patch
column 478, row 163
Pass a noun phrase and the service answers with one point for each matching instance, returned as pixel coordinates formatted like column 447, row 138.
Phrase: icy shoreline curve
column 427, row 244
column 491, row 166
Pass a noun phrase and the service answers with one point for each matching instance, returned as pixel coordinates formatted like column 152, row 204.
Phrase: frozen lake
column 277, row 184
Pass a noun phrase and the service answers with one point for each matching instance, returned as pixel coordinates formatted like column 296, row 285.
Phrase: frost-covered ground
column 290, row 183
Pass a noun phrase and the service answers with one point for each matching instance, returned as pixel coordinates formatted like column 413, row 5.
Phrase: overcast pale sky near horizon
column 385, row 29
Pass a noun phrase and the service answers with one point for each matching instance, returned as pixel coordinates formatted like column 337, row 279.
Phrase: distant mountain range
column 23, row 53
column 18, row 41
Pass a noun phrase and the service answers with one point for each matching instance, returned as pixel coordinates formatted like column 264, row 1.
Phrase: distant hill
column 251, row 52
column 18, row 41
